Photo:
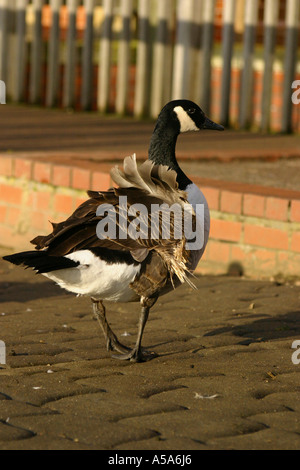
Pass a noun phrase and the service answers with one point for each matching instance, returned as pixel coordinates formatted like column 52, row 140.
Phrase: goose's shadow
column 264, row 329
column 26, row 292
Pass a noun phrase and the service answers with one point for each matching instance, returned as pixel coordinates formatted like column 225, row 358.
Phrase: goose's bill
column 208, row 124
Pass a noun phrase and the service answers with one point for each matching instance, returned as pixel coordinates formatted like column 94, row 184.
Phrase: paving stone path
column 224, row 378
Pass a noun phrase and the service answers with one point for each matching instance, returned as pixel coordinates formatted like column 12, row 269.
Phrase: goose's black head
column 184, row 116
column 176, row 117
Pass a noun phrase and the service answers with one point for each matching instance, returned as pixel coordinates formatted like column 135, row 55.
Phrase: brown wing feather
column 152, row 278
column 147, row 185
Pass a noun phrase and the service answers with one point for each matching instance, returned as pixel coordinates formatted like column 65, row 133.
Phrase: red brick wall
column 257, row 227
column 34, row 193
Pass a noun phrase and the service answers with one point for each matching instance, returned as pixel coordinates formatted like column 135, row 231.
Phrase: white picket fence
column 169, row 45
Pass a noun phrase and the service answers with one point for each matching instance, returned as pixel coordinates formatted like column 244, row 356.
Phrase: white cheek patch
column 186, row 123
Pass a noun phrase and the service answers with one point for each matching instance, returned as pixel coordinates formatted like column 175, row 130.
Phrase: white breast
column 197, row 199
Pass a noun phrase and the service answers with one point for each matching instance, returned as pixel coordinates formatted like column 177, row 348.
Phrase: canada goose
column 82, row 259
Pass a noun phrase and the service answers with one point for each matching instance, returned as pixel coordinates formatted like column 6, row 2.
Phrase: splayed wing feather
column 147, row 184
column 159, row 182
column 156, row 180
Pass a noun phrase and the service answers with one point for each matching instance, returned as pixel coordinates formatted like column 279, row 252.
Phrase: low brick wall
column 254, row 230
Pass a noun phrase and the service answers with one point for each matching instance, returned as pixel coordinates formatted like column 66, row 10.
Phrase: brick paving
column 223, row 379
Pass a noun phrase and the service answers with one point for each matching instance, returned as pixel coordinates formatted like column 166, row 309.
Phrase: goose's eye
column 191, row 111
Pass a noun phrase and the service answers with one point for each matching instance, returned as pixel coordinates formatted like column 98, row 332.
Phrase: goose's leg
column 112, row 342
column 136, row 354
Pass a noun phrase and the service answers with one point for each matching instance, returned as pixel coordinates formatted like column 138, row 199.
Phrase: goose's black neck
column 162, row 151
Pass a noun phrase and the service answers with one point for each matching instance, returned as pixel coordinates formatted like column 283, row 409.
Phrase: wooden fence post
column 182, row 50
column 4, row 41
column 227, row 47
column 36, row 54
column 11, row 49
column 251, row 11
column 53, row 59
column 292, row 25
column 195, row 56
column 104, row 62
column 270, row 23
column 207, row 45
column 142, row 86
column 70, row 64
column 160, row 79
column 87, row 57
column 124, row 57
column 20, row 53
